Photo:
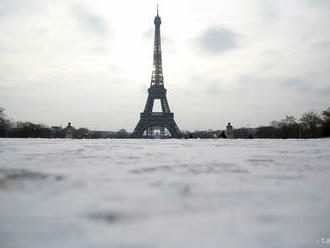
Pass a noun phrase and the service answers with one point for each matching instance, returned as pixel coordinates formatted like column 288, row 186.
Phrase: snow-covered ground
column 164, row 193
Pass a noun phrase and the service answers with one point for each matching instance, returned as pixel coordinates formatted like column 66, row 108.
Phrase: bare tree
column 289, row 120
column 311, row 121
column 326, row 115
column 289, row 128
column 30, row 130
column 326, row 122
column 4, row 123
column 122, row 134
column 275, row 124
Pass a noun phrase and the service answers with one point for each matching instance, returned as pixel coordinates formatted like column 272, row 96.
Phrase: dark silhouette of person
column 223, row 135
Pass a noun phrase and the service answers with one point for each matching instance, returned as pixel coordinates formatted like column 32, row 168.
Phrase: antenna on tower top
column 157, row 9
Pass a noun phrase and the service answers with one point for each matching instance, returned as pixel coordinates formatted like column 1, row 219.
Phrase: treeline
column 26, row 129
column 309, row 125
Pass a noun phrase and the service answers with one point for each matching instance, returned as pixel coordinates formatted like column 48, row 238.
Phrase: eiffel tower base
column 159, row 120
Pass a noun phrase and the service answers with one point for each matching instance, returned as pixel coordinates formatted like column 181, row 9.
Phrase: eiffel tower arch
column 149, row 119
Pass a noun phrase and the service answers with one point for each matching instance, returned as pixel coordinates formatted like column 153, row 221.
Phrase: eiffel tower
column 150, row 120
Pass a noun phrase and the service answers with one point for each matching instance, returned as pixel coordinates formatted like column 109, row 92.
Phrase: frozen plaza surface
column 164, row 193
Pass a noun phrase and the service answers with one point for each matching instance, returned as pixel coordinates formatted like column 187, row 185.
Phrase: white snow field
column 164, row 193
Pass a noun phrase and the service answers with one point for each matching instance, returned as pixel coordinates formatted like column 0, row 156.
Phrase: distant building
column 229, row 131
column 69, row 131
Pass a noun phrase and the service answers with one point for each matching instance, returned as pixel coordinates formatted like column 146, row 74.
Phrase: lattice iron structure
column 150, row 120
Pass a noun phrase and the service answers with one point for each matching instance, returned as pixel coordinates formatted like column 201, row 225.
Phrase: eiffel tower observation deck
column 149, row 120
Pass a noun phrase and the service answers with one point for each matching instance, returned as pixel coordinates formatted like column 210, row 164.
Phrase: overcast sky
column 89, row 62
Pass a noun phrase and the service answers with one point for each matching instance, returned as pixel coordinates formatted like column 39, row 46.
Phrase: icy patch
column 17, row 177
column 113, row 217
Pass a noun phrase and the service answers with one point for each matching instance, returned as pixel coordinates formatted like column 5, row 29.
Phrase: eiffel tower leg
column 174, row 130
column 149, row 121
column 165, row 106
column 150, row 104
column 138, row 131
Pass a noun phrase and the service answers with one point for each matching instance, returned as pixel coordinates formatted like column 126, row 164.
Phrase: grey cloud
column 321, row 45
column 210, row 86
column 213, row 88
column 318, row 3
column 284, row 83
column 292, row 82
column 12, row 7
column 248, row 79
column 269, row 9
column 217, row 40
column 90, row 22
column 323, row 92
column 301, row 85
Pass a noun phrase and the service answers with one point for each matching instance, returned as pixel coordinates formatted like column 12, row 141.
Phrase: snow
column 164, row 193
